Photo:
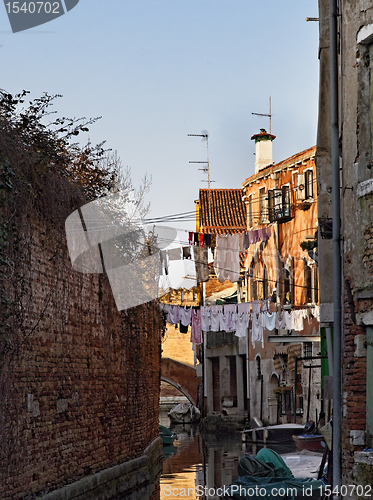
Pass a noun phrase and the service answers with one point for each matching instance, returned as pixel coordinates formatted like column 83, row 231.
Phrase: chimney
column 263, row 149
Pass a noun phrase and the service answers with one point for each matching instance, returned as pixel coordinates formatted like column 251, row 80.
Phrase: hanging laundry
column 187, row 253
column 183, row 328
column 200, row 239
column 227, row 258
column 164, row 262
column 255, row 304
column 246, row 241
column 173, row 314
column 190, row 237
column 185, row 315
column 213, row 241
column 201, row 263
column 244, row 307
column 270, row 320
column 195, row 238
column 241, row 325
column 231, row 310
column 215, row 313
column 267, row 233
column 288, row 320
column 174, row 254
column 196, row 333
column 224, row 322
column 264, row 305
column 207, row 239
column 280, row 321
column 257, row 330
column 297, row 319
column 205, row 318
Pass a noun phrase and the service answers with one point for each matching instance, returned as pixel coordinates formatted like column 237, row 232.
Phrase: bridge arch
column 178, row 386
column 182, row 376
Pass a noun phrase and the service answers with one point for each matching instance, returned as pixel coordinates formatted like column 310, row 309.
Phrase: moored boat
column 166, row 435
column 311, row 442
column 184, row 413
column 273, row 434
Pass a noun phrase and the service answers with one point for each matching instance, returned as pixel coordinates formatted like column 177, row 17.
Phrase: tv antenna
column 205, row 137
column 269, row 115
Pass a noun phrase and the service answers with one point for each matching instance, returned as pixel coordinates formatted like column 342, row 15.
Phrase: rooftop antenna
column 269, row 115
column 205, row 137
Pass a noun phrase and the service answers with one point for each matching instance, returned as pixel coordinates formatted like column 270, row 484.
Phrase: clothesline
column 237, row 318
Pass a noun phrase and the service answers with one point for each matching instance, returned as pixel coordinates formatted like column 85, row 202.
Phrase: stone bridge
column 181, row 376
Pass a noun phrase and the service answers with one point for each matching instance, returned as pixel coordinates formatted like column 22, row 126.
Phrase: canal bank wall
column 79, row 380
column 123, row 479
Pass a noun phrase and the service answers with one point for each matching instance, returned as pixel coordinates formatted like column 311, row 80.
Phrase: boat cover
column 273, row 488
column 267, row 463
column 272, row 458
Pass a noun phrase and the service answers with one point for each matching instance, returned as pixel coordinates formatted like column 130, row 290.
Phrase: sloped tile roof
column 228, row 211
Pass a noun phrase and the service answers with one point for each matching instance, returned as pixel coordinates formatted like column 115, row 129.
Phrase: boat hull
column 311, row 442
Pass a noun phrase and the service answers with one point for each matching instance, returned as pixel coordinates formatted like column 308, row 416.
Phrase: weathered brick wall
column 354, row 382
column 79, row 384
column 354, row 388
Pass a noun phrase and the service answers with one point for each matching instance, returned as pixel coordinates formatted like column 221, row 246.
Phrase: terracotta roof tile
column 228, row 211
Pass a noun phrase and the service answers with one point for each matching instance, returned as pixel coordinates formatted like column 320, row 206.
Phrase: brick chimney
column 263, row 149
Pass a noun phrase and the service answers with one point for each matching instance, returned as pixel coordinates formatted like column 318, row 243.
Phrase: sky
column 158, row 70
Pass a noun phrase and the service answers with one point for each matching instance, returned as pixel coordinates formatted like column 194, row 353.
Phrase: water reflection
column 195, row 465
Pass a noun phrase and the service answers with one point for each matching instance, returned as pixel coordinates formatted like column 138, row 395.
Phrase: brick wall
column 354, row 383
column 79, row 383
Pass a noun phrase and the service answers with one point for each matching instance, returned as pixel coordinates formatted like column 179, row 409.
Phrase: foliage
column 44, row 174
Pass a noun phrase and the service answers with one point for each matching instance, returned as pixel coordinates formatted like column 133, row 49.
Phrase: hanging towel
column 190, row 238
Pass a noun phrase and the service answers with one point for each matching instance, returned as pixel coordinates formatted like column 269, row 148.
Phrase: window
column 251, row 210
column 308, row 183
column 258, row 368
column 304, row 185
column 307, row 349
column 263, row 206
column 279, row 206
column 265, row 282
column 307, row 283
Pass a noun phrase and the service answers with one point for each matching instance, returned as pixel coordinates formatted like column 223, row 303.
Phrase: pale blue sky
column 157, row 71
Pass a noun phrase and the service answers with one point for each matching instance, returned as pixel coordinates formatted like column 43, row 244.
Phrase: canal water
column 196, row 465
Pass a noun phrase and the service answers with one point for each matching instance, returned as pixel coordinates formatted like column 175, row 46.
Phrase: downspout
column 337, row 365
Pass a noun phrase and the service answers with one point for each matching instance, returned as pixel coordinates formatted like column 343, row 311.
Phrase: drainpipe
column 337, row 365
